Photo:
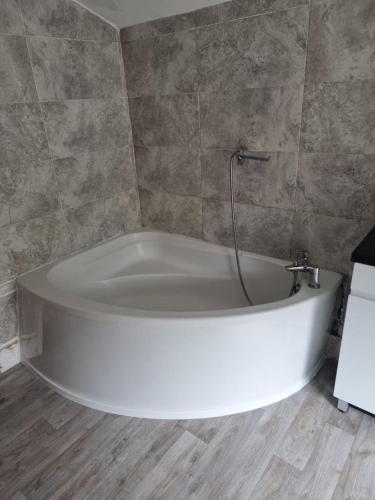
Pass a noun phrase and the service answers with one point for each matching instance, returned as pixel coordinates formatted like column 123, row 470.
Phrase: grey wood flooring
column 300, row 448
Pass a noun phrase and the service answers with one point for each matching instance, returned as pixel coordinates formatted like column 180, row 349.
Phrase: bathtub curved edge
column 181, row 415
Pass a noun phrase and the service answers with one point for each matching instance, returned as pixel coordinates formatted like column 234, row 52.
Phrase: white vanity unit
column 355, row 382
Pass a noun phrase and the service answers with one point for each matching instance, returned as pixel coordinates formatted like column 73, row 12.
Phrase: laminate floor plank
column 321, row 474
column 220, row 459
column 168, row 478
column 301, row 448
column 300, row 440
column 277, row 482
column 357, row 482
column 246, row 462
column 135, row 458
column 55, row 480
column 23, row 458
column 205, row 428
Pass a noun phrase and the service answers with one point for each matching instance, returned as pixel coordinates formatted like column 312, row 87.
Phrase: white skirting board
column 9, row 355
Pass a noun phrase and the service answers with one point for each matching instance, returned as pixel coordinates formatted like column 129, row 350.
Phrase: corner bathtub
column 155, row 325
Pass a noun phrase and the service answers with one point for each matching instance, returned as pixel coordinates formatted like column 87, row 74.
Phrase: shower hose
column 241, row 156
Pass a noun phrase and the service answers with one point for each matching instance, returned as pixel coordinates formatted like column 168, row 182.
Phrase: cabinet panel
column 355, row 381
column 363, row 282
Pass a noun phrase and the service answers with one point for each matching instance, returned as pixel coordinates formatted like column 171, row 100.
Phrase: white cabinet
column 355, row 382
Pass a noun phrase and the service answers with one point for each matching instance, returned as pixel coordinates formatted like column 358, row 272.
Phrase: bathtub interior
column 155, row 272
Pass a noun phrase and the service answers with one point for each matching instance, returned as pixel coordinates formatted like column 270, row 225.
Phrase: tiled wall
column 67, row 177
column 283, row 77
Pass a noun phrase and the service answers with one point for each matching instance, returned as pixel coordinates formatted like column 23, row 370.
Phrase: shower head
column 243, row 155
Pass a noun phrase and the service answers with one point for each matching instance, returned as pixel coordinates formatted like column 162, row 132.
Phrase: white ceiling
column 123, row 13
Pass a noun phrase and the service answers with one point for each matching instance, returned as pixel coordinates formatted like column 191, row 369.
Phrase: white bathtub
column 155, row 325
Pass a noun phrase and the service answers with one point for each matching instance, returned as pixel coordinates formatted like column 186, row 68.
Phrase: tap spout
column 313, row 271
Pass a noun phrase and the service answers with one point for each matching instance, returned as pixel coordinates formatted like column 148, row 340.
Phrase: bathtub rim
column 37, row 283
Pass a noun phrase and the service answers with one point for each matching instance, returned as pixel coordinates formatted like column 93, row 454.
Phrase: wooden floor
column 300, row 448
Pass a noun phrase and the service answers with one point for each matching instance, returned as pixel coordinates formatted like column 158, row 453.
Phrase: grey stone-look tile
column 22, row 135
column 341, row 41
column 10, row 18
column 236, row 9
column 8, row 317
column 103, row 219
column 266, row 231
column 64, row 18
column 74, row 69
column 264, row 51
column 163, row 26
column 270, row 184
column 86, row 125
column 165, row 121
column 339, row 118
column 162, row 65
column 17, row 83
column 89, row 176
column 4, row 214
column 172, row 170
column 259, row 119
column 329, row 240
column 27, row 245
column 29, row 190
column 172, row 213
column 337, row 185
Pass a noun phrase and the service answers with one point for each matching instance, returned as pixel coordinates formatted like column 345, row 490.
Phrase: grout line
column 245, row 17
column 217, row 148
column 130, row 130
column 181, row 94
column 101, row 199
column 59, row 101
column 222, row 92
column 198, row 75
column 89, row 151
column 69, row 39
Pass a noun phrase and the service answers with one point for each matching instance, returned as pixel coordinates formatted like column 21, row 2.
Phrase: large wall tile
column 29, row 190
column 173, row 170
column 163, row 26
column 266, row 231
column 264, row 51
column 270, row 184
column 10, row 18
column 17, row 83
column 22, row 135
column 74, row 69
column 329, row 240
column 89, row 125
column 341, row 41
column 27, row 245
column 337, row 185
column 165, row 121
column 65, row 18
column 339, row 118
column 8, row 313
column 103, row 219
column 173, row 213
column 236, row 9
column 259, row 119
column 162, row 65
column 86, row 177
